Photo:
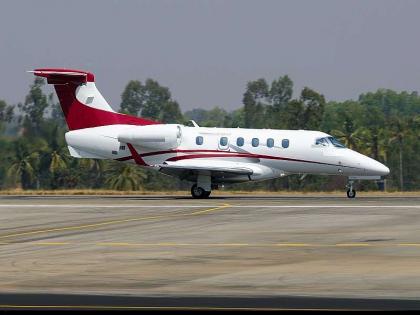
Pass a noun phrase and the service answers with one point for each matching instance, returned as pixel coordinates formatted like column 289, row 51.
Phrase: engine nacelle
column 162, row 137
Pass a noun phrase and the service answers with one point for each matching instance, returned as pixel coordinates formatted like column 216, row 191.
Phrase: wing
column 188, row 169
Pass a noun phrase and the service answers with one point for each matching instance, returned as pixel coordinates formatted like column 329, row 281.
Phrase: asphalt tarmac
column 246, row 252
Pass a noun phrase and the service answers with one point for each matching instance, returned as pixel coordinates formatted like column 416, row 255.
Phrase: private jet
column 207, row 157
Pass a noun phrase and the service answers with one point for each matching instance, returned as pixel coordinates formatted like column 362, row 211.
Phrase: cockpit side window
column 322, row 141
column 326, row 141
column 336, row 143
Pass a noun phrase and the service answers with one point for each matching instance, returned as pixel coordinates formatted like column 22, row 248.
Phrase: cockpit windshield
column 326, row 141
column 322, row 141
column 336, row 143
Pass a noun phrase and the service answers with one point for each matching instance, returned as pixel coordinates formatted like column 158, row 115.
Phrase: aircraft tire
column 351, row 193
column 198, row 192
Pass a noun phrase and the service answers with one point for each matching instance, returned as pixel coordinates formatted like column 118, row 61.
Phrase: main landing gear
column 351, row 192
column 199, row 192
column 202, row 189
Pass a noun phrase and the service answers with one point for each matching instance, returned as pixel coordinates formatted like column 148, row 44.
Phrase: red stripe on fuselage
column 241, row 155
column 183, row 151
column 228, row 154
column 137, row 158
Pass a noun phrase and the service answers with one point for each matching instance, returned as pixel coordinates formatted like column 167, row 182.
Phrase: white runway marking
column 103, row 206
column 204, row 206
column 327, row 206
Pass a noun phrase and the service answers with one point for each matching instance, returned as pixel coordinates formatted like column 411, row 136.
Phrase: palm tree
column 94, row 165
column 122, row 176
column 399, row 131
column 23, row 166
column 351, row 136
column 58, row 162
column 94, row 169
column 53, row 154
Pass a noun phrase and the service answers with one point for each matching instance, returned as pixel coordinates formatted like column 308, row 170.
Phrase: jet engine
column 161, row 137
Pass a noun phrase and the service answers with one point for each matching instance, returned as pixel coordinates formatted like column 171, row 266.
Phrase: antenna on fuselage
column 194, row 123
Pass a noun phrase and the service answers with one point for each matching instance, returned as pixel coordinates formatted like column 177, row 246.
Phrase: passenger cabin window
column 240, row 142
column 270, row 142
column 285, row 143
column 255, row 142
column 223, row 141
column 199, row 140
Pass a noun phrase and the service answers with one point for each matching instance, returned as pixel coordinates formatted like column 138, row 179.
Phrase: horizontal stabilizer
column 63, row 76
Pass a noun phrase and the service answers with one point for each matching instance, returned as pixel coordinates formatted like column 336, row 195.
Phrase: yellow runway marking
column 294, row 245
column 206, row 210
column 115, row 244
column 355, row 245
column 111, row 222
column 51, row 243
column 180, row 244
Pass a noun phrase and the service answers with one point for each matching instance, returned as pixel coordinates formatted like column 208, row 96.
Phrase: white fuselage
column 276, row 152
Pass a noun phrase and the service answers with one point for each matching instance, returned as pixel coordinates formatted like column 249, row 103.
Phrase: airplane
column 207, row 157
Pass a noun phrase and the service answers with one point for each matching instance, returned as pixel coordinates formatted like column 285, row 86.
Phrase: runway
column 252, row 251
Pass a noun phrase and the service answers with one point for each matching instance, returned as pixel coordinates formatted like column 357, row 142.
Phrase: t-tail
column 82, row 104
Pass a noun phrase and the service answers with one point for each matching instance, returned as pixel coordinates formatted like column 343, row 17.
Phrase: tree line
column 383, row 124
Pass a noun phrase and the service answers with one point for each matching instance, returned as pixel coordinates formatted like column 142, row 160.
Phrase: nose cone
column 373, row 167
column 362, row 165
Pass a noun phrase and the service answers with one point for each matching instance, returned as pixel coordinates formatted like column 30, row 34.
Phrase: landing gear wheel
column 351, row 193
column 198, row 192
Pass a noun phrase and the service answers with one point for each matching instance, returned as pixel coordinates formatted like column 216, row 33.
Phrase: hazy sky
column 206, row 51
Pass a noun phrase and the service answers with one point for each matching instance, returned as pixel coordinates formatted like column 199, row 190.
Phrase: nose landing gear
column 351, row 192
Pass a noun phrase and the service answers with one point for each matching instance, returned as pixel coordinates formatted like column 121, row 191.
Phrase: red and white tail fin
column 82, row 104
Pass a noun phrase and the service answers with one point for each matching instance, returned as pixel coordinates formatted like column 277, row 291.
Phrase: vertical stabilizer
column 82, row 103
